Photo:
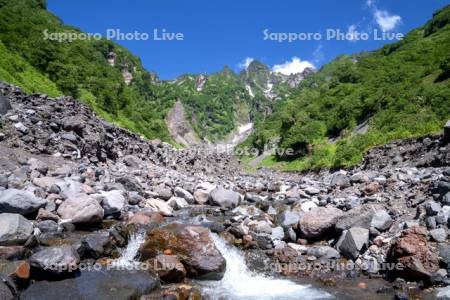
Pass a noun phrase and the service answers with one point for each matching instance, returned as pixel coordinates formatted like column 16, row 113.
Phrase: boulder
column 57, row 260
column 360, row 216
column 20, row 202
column 202, row 192
column 163, row 192
column 381, row 220
column 113, row 202
column 225, row 198
column 103, row 284
column 340, row 180
column 318, row 221
column 5, row 105
column 354, row 241
column 412, row 250
column 192, row 245
column 288, row 218
column 14, row 229
column 81, row 209
column 97, row 245
column 130, row 183
column 438, row 234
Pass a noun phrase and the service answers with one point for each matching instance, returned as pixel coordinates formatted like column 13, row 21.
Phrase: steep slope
column 399, row 91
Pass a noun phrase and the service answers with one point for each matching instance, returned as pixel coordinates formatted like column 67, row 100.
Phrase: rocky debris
column 103, row 284
column 225, row 198
column 14, row 229
column 412, row 250
column 81, row 209
column 20, row 202
column 318, row 221
column 192, row 245
column 56, row 260
column 353, row 242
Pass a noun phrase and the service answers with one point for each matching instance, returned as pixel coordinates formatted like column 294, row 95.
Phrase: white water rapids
column 238, row 283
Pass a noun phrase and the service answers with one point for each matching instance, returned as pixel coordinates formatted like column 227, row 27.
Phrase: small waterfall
column 127, row 258
column 239, row 283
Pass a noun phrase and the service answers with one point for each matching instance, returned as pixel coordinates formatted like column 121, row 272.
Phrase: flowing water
column 128, row 256
column 239, row 283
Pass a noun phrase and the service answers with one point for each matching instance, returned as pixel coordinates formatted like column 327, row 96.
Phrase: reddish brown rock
column 412, row 250
column 147, row 219
column 371, row 188
column 168, row 268
column 192, row 245
column 175, row 291
column 16, row 270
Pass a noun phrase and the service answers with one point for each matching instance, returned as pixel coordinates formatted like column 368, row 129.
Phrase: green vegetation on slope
column 402, row 88
column 80, row 69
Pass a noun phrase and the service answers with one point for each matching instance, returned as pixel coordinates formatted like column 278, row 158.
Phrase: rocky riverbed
column 92, row 211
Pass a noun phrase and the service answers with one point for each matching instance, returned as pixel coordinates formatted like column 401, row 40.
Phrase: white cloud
column 292, row 67
column 385, row 20
column 247, row 61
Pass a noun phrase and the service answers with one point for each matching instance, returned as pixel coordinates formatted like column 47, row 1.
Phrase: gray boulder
column 14, row 229
column 20, row 202
column 381, row 220
column 56, row 260
column 81, row 209
column 225, row 198
column 438, row 234
column 354, row 241
column 288, row 218
column 360, row 216
column 113, row 202
column 318, row 221
column 340, row 180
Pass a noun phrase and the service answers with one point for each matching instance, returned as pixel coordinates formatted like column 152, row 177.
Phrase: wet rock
column 438, row 234
column 57, row 260
column 97, row 245
column 14, row 229
column 318, row 221
column 47, row 226
column 175, row 291
column 103, row 284
column 354, row 241
column 225, row 198
column 192, row 245
column 81, row 209
column 381, row 220
column 411, row 249
column 150, row 220
column 20, row 202
column 169, row 268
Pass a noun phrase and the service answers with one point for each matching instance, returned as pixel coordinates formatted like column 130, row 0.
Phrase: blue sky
column 226, row 32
